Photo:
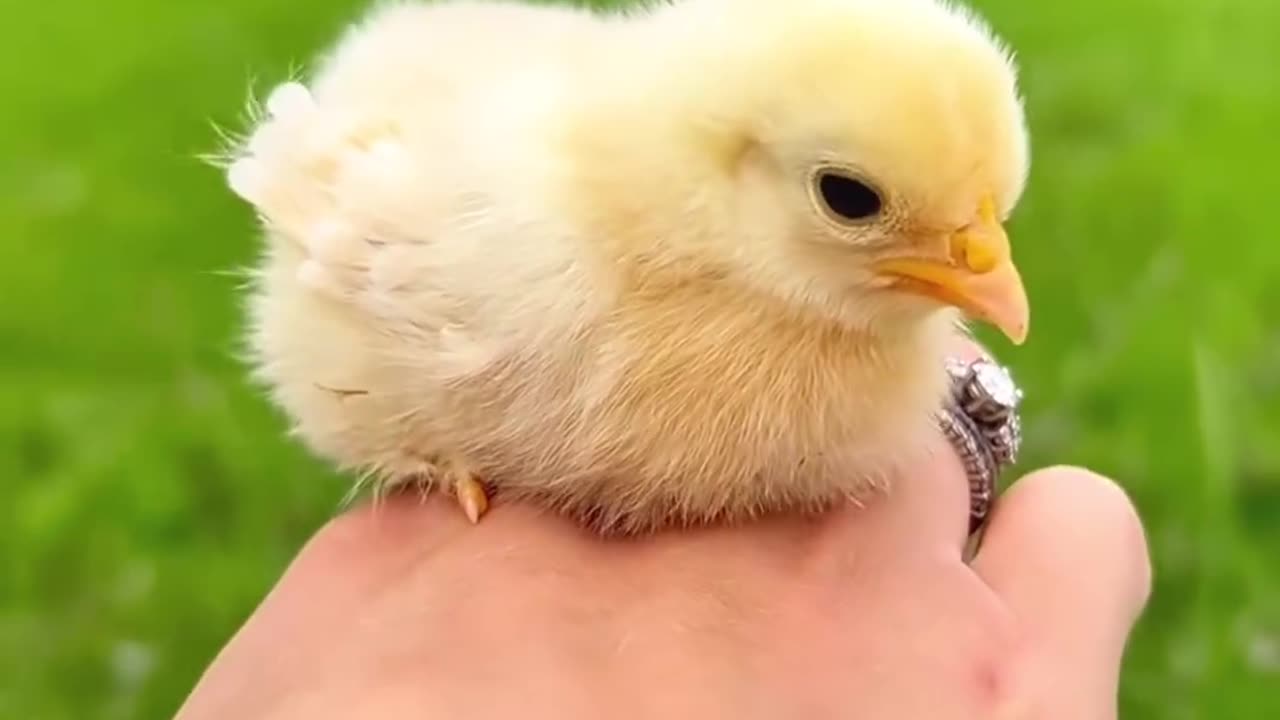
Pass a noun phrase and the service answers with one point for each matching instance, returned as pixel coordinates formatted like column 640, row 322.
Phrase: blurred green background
column 149, row 497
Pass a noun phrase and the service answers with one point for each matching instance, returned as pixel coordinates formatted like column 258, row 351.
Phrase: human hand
column 406, row 611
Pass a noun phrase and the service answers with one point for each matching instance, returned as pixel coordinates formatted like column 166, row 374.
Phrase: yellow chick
column 687, row 264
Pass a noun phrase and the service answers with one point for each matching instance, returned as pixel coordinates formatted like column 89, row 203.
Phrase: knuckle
column 998, row 669
column 994, row 659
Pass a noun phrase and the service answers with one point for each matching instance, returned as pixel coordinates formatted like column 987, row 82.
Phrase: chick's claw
column 471, row 495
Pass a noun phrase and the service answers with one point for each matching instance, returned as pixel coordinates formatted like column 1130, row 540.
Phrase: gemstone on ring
column 996, row 385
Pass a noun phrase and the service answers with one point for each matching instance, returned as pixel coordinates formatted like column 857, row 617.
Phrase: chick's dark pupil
column 850, row 199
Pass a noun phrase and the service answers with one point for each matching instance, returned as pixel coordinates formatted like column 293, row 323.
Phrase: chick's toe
column 467, row 488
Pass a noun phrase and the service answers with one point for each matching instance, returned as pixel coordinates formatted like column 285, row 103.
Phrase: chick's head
column 859, row 156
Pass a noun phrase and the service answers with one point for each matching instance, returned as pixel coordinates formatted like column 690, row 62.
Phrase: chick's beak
column 977, row 276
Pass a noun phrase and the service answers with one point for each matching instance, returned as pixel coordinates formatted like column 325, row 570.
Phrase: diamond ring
column 981, row 421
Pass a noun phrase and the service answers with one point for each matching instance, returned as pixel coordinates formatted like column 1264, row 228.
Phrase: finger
column 927, row 505
column 1066, row 552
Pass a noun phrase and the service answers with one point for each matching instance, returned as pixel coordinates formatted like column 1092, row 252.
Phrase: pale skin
column 407, row 610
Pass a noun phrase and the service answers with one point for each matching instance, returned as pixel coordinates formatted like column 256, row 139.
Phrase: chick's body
column 563, row 253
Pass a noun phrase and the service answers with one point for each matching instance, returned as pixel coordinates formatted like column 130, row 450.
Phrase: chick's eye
column 847, row 198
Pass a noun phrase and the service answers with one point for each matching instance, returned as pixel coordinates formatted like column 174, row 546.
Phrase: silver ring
column 981, row 421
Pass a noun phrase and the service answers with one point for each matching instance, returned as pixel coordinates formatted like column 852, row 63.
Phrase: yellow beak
column 977, row 276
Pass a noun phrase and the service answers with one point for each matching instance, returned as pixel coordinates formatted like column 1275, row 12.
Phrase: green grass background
column 148, row 498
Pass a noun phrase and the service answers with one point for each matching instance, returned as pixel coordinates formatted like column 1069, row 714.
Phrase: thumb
column 1066, row 552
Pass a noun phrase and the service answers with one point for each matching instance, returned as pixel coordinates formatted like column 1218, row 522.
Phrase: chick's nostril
column 958, row 249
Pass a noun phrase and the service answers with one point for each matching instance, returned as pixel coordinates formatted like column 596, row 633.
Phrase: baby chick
column 692, row 263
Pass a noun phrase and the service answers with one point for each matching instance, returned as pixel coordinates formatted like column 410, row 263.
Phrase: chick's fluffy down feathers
column 503, row 239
